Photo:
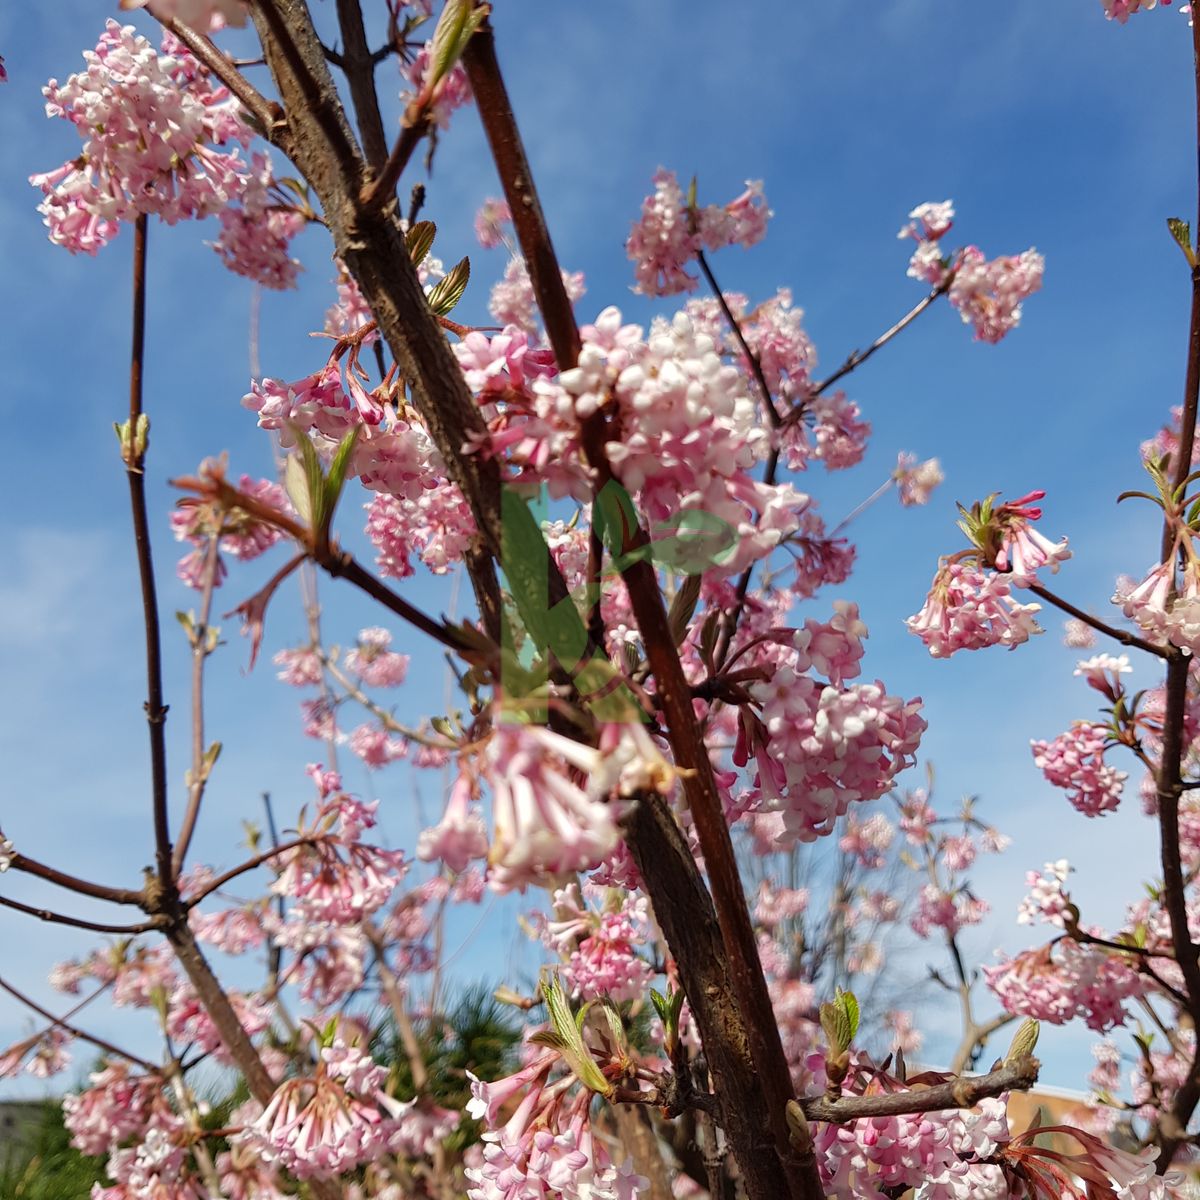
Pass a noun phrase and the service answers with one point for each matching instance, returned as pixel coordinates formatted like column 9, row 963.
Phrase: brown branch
column 964, row 1092
column 358, row 64
column 45, row 914
column 215, row 885
column 98, row 891
column 735, row 325
column 74, row 1030
column 135, row 457
column 856, row 358
column 1173, row 1129
column 309, row 77
column 1121, row 635
column 382, row 188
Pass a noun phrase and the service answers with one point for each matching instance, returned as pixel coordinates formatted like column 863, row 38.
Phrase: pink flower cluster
column 239, row 534
column 690, row 432
column 939, row 1154
column 545, row 1147
column 329, row 1123
column 600, row 948
column 150, row 124
column 987, row 293
column 969, row 608
column 1075, row 762
column 667, row 238
column 1077, row 981
column 817, row 747
column 256, row 234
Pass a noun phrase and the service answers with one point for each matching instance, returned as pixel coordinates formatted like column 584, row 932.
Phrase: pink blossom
column 1046, row 899
column 512, row 301
column 256, row 234
column 374, row 663
column 915, row 481
column 1075, row 761
column 1079, row 981
column 968, row 609
column 988, row 295
column 300, row 668
column 662, row 243
column 460, row 836
column 450, row 92
column 149, row 124
column 1078, row 635
column 490, row 220
column 775, row 905
column 202, row 15
column 545, row 821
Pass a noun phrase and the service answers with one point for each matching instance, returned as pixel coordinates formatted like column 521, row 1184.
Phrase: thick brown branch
column 964, row 1092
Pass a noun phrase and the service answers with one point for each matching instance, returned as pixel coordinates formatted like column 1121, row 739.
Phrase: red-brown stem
column 72, row 883
column 156, row 710
column 55, row 918
column 215, row 885
column 383, row 187
column 1121, row 635
column 200, row 653
column 687, row 742
column 74, row 1030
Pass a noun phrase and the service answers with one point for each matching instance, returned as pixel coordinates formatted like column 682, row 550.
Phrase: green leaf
column 446, row 293
column 419, row 241
column 849, row 1002
column 459, row 20
column 660, row 1003
column 574, row 1050
column 1182, row 233
column 336, row 478
column 314, row 482
column 1024, row 1040
column 295, row 482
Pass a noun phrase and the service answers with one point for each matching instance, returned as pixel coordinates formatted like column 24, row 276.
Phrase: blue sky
column 1048, row 127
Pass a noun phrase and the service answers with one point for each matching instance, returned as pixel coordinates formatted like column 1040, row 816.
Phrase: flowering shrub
column 693, row 794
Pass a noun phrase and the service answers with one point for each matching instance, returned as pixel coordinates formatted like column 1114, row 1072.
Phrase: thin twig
column 55, row 918
column 200, row 653
column 156, row 710
column 736, row 328
column 250, row 864
column 74, row 1030
column 1121, row 635
column 857, row 357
